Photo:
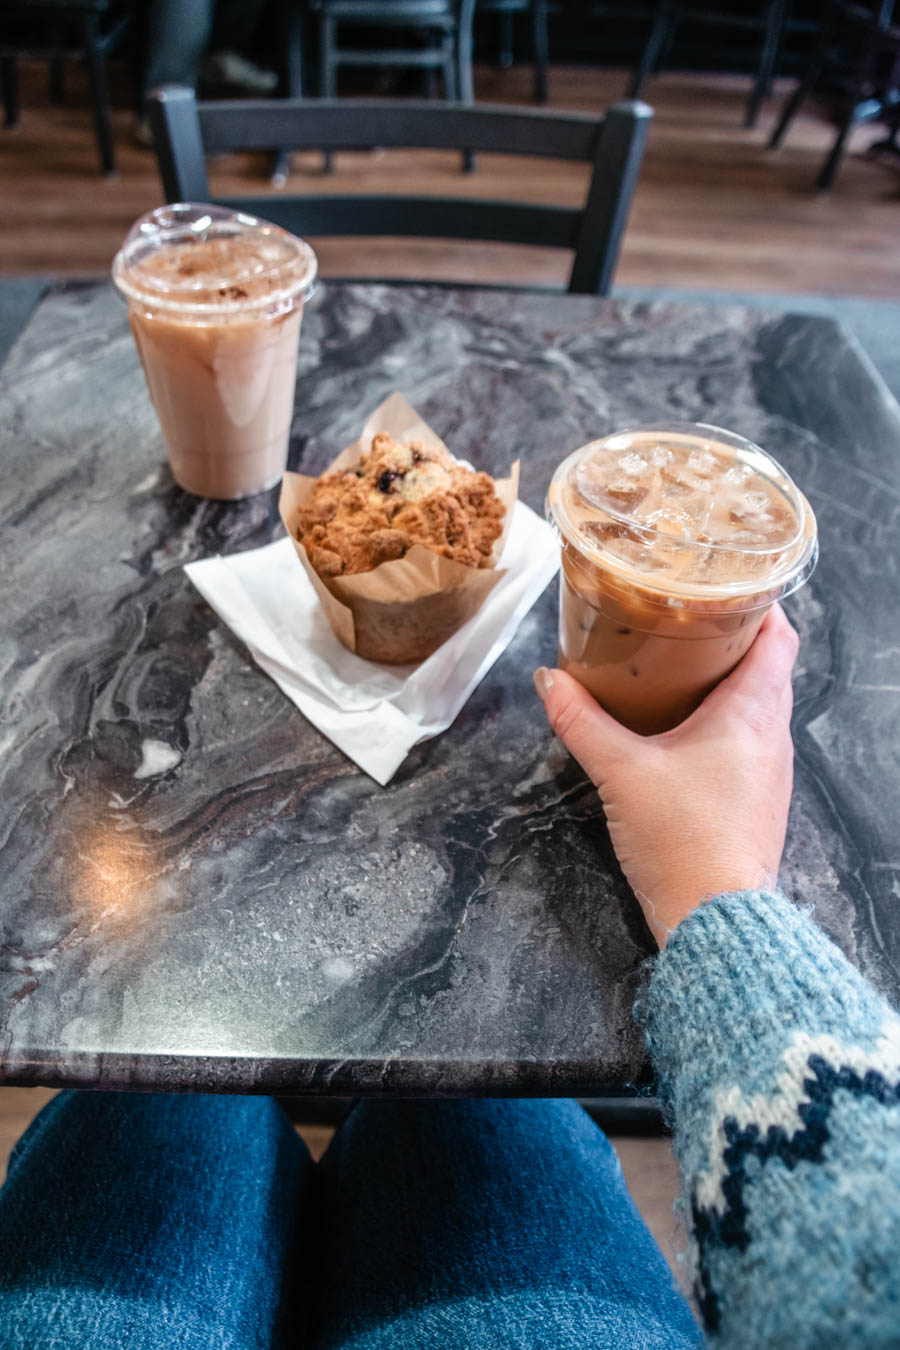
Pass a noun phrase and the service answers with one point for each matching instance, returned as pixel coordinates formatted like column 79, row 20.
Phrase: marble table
column 198, row 891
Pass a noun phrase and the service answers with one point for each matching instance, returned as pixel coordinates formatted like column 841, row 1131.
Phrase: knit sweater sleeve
column 780, row 1066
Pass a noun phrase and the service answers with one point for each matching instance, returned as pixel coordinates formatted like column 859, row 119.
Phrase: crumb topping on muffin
column 396, row 496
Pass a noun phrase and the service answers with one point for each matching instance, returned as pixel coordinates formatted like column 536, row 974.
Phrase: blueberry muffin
column 394, row 497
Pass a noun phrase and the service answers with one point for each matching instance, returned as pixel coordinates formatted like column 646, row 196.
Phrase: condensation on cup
column 676, row 540
column 215, row 300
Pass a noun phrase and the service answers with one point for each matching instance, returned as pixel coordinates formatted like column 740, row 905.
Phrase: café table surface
column 198, row 891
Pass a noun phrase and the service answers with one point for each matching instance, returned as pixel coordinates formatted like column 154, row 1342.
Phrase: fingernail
column 543, row 682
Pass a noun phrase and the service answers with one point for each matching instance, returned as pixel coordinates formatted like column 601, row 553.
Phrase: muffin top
column 395, row 496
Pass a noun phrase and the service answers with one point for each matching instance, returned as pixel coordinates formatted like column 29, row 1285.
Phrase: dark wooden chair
column 769, row 22
column 444, row 25
column 506, row 10
column 859, row 46
column 185, row 132
column 57, row 31
column 445, row 49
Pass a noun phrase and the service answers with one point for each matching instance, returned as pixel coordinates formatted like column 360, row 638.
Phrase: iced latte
column 675, row 542
column 215, row 301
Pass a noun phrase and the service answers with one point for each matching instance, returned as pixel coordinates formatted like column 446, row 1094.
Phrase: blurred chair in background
column 505, row 11
column 859, row 51
column 443, row 27
column 768, row 21
column 186, row 132
column 444, row 30
column 58, row 31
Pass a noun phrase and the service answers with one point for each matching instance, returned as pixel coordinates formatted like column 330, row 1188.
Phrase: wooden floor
column 649, row 1165
column 714, row 207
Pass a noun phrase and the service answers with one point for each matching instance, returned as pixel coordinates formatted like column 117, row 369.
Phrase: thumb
column 595, row 739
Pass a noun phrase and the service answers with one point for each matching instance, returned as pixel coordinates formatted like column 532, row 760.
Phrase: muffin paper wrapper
column 406, row 590
column 375, row 713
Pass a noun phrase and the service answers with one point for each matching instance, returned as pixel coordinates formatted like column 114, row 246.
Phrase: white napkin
column 375, row 713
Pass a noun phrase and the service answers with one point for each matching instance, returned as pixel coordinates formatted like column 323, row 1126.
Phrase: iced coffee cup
column 676, row 540
column 215, row 299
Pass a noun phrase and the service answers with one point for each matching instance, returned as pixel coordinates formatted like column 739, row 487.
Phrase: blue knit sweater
column 781, row 1068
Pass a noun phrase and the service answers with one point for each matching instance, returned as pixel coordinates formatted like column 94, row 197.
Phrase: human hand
column 703, row 808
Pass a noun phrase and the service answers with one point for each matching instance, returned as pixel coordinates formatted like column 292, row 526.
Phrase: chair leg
column 290, row 18
column 659, row 35
column 863, row 76
column 762, row 85
column 451, row 93
column 448, row 69
column 541, row 43
column 464, row 83
column 10, row 76
column 100, row 97
column 328, row 58
column 138, row 61
column 826, row 177
column 804, row 89
column 790, row 110
column 281, row 167
column 505, row 43
column 293, row 49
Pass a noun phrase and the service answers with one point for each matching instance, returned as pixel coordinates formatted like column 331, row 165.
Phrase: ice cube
column 784, row 525
column 648, row 560
column 673, row 485
column 738, row 474
column 681, row 483
column 637, row 555
column 708, row 564
column 612, row 532
column 659, row 456
column 620, row 491
column 749, row 538
column 632, row 464
column 681, row 473
column 753, row 519
column 625, row 492
column 701, row 461
column 611, row 488
column 672, row 520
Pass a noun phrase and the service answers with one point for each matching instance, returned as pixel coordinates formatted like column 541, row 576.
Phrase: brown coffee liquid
column 223, row 387
column 698, row 519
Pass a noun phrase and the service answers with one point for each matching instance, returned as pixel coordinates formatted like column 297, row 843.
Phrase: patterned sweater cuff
column 780, row 1066
column 736, row 980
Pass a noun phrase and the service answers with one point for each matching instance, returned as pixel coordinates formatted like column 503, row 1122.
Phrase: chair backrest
column 186, row 131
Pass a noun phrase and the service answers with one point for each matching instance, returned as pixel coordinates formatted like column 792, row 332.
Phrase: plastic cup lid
column 244, row 265
column 685, row 510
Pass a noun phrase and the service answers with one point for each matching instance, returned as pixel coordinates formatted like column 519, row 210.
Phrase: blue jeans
column 137, row 1222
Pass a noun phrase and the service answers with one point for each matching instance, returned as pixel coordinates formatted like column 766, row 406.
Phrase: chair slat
column 320, row 124
column 424, row 217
